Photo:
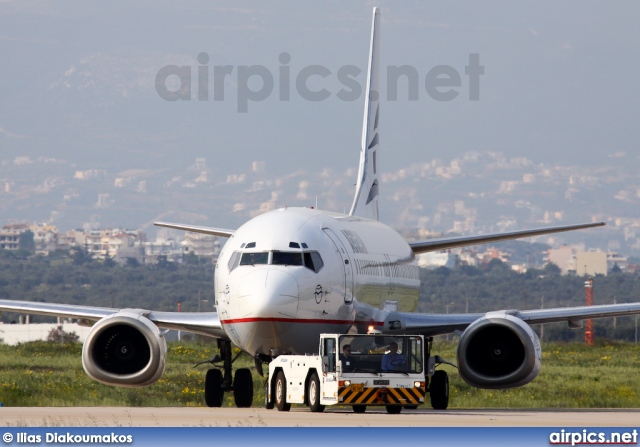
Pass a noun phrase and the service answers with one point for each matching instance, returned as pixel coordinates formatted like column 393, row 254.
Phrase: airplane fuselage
column 290, row 274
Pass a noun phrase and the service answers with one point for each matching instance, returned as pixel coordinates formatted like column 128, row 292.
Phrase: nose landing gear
column 218, row 382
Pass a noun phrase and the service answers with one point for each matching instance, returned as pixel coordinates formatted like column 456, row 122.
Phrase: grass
column 572, row 376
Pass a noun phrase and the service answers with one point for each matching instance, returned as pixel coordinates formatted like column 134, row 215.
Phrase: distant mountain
column 477, row 193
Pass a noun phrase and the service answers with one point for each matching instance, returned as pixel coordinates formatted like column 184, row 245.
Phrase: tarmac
column 302, row 417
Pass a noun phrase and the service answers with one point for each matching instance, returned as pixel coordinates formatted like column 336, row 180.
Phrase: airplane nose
column 270, row 293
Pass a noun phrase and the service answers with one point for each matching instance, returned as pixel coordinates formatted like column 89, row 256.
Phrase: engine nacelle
column 125, row 349
column 499, row 351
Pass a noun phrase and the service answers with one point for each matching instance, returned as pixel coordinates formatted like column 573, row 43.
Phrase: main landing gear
column 218, row 382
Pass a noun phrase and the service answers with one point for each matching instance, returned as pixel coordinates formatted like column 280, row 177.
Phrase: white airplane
column 289, row 275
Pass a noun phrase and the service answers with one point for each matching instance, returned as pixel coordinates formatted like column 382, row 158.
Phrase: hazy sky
column 77, row 81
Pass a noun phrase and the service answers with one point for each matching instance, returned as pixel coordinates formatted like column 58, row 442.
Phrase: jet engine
column 499, row 351
column 125, row 349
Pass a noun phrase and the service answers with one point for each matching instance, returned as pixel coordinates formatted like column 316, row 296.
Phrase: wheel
column 281, row 393
column 410, row 407
column 313, row 393
column 243, row 388
column 439, row 390
column 213, row 393
column 394, row 409
column 359, row 408
column 268, row 400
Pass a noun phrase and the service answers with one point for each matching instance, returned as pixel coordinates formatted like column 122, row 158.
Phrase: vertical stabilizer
column 365, row 202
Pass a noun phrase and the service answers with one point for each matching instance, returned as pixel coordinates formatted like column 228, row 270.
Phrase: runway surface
column 302, row 417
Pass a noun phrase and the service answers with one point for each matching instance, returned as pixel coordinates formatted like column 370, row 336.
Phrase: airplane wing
column 205, row 323
column 221, row 232
column 439, row 324
column 463, row 241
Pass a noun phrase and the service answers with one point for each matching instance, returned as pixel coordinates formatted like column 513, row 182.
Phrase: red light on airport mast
column 588, row 296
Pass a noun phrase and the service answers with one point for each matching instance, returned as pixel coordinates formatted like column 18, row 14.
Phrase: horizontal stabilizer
column 464, row 241
column 197, row 229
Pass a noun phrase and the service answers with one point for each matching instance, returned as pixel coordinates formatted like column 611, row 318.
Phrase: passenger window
column 286, row 258
column 313, row 261
column 255, row 258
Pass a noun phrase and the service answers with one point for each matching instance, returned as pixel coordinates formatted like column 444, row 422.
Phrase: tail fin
column 365, row 202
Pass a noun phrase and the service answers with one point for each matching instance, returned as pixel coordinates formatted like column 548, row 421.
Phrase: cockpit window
column 286, row 258
column 255, row 258
column 251, row 245
column 233, row 260
column 313, row 261
column 294, row 245
column 309, row 259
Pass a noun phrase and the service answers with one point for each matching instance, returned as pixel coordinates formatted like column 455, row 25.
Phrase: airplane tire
column 394, row 409
column 313, row 392
column 439, row 390
column 359, row 408
column 213, row 392
column 281, row 393
column 243, row 388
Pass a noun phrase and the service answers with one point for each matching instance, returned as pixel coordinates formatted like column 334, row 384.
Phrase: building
column 201, row 245
column 563, row 257
column 10, row 236
column 167, row 248
column 591, row 263
column 102, row 244
column 12, row 334
column 581, row 262
column 45, row 238
column 72, row 238
column 438, row 259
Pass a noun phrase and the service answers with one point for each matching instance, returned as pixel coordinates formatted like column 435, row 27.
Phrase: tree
column 26, row 242
column 551, row 269
column 497, row 265
column 59, row 335
column 164, row 263
column 132, row 262
column 79, row 255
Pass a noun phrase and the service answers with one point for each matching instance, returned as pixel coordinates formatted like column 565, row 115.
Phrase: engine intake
column 499, row 351
column 125, row 349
